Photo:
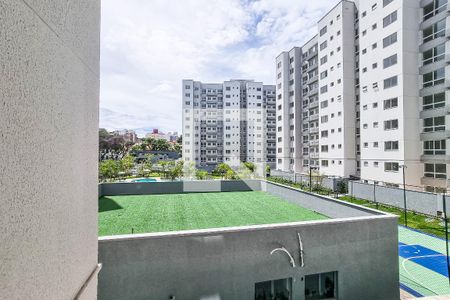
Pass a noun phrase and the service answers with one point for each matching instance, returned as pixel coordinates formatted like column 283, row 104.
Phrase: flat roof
column 189, row 211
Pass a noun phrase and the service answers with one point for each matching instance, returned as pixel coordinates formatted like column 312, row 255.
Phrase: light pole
column 404, row 194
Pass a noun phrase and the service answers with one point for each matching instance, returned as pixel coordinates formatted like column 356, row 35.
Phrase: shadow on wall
column 107, row 204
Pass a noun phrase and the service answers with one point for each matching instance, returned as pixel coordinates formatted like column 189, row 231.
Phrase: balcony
column 433, row 19
column 441, row 111
column 438, row 159
column 316, row 130
column 433, row 43
column 435, row 135
column 435, row 65
column 314, row 117
column 436, row 182
column 434, row 89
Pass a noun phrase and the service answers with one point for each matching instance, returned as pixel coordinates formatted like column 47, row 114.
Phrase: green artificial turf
column 158, row 213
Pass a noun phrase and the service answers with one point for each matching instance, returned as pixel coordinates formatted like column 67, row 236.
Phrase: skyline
column 145, row 55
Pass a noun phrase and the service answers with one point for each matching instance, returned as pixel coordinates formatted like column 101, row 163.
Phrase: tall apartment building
column 228, row 122
column 382, row 94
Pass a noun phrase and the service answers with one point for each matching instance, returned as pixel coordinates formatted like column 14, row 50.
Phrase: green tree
column 201, row 174
column 230, row 174
column 164, row 167
column 108, row 169
column 126, row 164
column 251, row 166
column 222, row 169
column 176, row 170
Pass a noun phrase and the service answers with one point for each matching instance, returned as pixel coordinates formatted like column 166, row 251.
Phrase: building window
column 434, row 101
column 434, row 78
column 390, row 103
column 324, row 163
column 434, row 31
column 434, row 124
column 280, row 287
column 386, row 2
column 391, row 166
column 390, row 82
column 389, row 40
column 391, row 124
column 323, row 60
column 391, row 146
column 433, row 55
column 434, row 8
column 434, row 147
column 389, row 61
column 391, row 18
column 323, row 45
column 323, row 30
column 436, row 171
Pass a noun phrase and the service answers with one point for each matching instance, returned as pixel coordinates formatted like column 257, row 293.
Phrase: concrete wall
column 330, row 207
column 226, row 263
column 177, row 187
column 49, row 89
column 422, row 202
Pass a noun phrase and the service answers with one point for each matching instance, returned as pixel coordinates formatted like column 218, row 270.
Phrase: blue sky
column 149, row 46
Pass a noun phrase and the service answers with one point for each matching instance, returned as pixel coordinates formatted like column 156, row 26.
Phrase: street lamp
column 403, row 167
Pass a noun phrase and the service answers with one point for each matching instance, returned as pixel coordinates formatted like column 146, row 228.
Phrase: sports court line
column 424, row 257
column 410, row 290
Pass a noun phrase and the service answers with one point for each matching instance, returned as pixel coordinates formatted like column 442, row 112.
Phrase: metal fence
column 423, row 216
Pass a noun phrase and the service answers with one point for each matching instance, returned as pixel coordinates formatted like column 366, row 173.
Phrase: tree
column 108, row 169
column 189, row 170
column 201, row 174
column 126, row 164
column 176, row 170
column 251, row 166
column 164, row 167
column 230, row 174
column 222, row 169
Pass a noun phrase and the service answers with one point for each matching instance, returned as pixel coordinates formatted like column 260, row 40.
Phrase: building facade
column 230, row 122
column 381, row 94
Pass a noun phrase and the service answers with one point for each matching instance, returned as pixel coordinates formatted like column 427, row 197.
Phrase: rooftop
column 188, row 211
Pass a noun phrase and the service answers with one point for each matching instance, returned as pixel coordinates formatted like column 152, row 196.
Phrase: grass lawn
column 158, row 213
column 417, row 221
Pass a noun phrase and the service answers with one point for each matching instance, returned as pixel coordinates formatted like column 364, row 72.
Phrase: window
column 374, row 65
column 324, row 104
column 363, row 14
column 323, row 30
column 391, row 124
column 374, row 46
column 323, row 45
column 434, row 31
column 391, row 167
column 389, row 40
column 390, row 103
column 434, row 78
column 435, row 171
column 391, row 18
column 434, row 147
column 323, row 119
column 324, row 148
column 434, row 8
column 433, row 55
column 386, row 2
column 434, row 101
column 390, row 82
column 323, row 74
column 324, row 133
column 389, row 61
column 324, row 89
column 324, row 164
column 323, row 60
column 374, row 26
column 434, row 124
column 374, row 6
column 279, row 64
column 280, row 287
column 391, row 146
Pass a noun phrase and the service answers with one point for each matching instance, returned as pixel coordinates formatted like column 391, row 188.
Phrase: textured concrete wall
column 49, row 89
column 422, row 202
column 226, row 263
column 330, row 207
column 177, row 187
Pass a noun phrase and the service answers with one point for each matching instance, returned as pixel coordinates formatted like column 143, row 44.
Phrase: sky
column 149, row 46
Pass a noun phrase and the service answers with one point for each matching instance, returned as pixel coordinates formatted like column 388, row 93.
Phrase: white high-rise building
column 381, row 91
column 230, row 122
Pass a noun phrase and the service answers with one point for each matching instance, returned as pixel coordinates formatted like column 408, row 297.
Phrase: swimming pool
column 145, row 180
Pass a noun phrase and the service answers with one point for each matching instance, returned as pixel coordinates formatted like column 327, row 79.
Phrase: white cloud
column 149, row 46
